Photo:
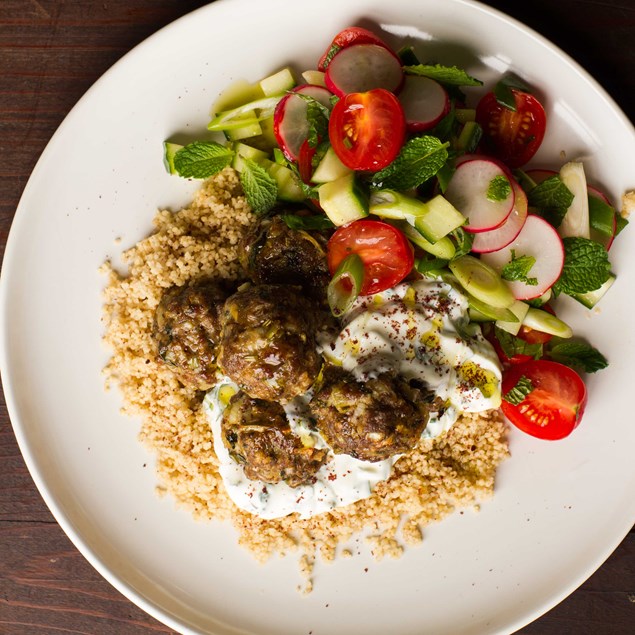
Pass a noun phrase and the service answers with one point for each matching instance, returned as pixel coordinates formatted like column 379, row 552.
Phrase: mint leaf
column 586, row 266
column 202, row 159
column 448, row 75
column 518, row 393
column 309, row 223
column 552, row 198
column 462, row 242
column 499, row 188
column 513, row 345
column 317, row 116
column 503, row 90
column 579, row 356
column 419, row 160
column 518, row 268
column 261, row 189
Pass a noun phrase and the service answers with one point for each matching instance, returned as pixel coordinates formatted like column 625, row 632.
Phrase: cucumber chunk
column 278, row 83
column 481, row 281
column 543, row 321
column 169, row 150
column 343, row 200
column 591, row 298
column 440, row 218
column 330, row 168
column 244, row 151
column 288, row 187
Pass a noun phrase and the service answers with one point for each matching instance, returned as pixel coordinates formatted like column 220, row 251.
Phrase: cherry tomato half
column 385, row 252
column 347, row 37
column 512, row 136
column 367, row 129
column 519, row 358
column 554, row 408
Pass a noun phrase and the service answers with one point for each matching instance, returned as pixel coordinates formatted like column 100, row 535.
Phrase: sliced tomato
column 385, row 252
column 555, row 405
column 367, row 129
column 345, row 38
column 512, row 136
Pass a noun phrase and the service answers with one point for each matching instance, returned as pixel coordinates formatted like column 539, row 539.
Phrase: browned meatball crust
column 187, row 329
column 268, row 342
column 258, row 436
column 371, row 420
column 276, row 254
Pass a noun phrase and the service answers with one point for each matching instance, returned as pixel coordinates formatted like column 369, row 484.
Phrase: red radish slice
column 468, row 192
column 362, row 67
column 485, row 242
column 290, row 124
column 540, row 240
column 424, row 101
column 348, row 37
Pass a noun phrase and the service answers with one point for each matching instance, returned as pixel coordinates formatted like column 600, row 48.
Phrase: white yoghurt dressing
column 419, row 330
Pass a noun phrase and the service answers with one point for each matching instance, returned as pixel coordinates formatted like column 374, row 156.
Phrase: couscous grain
column 202, row 240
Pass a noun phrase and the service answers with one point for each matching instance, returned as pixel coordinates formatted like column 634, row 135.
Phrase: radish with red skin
column 290, row 124
column 424, row 101
column 348, row 37
column 495, row 239
column 363, row 67
column 468, row 192
column 541, row 241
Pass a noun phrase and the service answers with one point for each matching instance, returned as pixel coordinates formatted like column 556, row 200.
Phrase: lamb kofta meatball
column 276, row 254
column 371, row 420
column 258, row 436
column 268, row 341
column 187, row 329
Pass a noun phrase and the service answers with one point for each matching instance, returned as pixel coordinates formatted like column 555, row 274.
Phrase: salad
column 386, row 154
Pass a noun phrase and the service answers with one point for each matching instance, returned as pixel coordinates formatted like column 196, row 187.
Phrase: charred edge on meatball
column 258, row 436
column 371, row 420
column 276, row 254
column 187, row 331
column 268, row 342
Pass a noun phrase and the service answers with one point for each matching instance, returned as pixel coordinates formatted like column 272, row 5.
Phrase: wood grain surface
column 51, row 51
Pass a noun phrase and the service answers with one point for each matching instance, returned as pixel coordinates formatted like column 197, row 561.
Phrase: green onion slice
column 345, row 284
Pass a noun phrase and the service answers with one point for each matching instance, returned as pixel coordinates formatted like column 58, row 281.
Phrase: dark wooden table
column 51, row 51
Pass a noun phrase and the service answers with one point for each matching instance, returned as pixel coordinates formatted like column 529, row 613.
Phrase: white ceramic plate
column 560, row 508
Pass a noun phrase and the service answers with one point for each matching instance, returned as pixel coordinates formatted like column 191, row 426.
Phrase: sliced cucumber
column 246, row 113
column 243, row 127
column 288, row 187
column 244, row 151
column 487, row 313
column 443, row 248
column 545, row 322
column 169, row 150
column 520, row 310
column 278, row 83
column 343, row 200
column 440, row 218
column 237, row 94
column 470, row 137
column 330, row 168
column 591, row 298
column 481, row 281
column 463, row 115
column 394, row 205
column 316, row 78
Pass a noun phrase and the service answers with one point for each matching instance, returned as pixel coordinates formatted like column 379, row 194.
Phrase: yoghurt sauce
column 419, row 330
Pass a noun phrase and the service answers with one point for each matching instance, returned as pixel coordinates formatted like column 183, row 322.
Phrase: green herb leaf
column 317, row 115
column 448, row 75
column 462, row 241
column 552, row 198
column 261, row 189
column 419, row 160
column 518, row 393
column 309, row 223
column 503, row 90
column 518, row 268
column 513, row 345
column 586, row 266
column 499, row 188
column 202, row 159
column 579, row 356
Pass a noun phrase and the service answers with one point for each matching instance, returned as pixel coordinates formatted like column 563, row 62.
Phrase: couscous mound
column 203, row 240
